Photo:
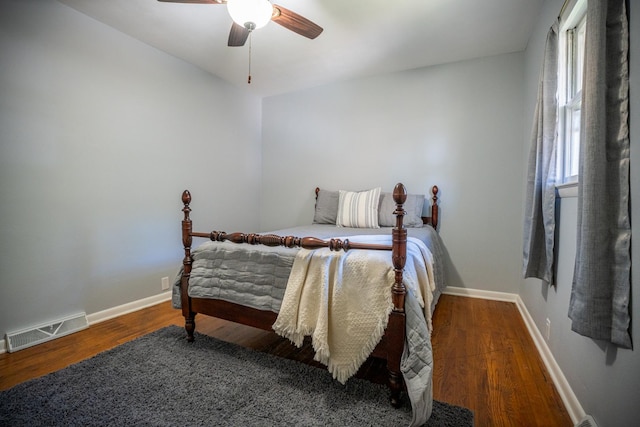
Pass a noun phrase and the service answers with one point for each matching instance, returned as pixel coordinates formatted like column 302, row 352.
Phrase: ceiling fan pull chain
column 249, row 78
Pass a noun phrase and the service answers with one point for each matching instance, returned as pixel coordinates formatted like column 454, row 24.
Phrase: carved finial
column 400, row 194
column 186, row 197
column 434, row 191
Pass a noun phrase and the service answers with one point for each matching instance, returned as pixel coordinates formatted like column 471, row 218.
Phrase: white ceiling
column 360, row 38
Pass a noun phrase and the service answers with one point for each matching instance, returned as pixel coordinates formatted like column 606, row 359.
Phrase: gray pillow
column 326, row 207
column 413, row 206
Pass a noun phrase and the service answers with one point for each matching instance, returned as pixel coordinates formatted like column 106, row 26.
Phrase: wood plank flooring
column 484, row 358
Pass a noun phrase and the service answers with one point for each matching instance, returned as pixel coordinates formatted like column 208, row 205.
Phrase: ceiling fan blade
column 295, row 22
column 238, row 35
column 195, row 1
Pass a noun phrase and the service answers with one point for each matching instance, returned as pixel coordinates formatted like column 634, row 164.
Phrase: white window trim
column 568, row 189
column 571, row 16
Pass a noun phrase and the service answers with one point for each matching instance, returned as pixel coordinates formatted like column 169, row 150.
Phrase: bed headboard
column 429, row 220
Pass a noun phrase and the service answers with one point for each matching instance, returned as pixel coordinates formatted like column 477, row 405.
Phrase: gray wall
column 458, row 126
column 605, row 379
column 93, row 127
column 96, row 130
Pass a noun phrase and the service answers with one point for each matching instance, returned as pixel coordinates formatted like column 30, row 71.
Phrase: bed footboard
column 391, row 345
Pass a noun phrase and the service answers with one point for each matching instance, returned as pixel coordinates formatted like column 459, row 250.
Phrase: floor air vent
column 39, row 334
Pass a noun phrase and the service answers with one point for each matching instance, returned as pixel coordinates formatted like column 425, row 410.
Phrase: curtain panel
column 539, row 216
column 599, row 304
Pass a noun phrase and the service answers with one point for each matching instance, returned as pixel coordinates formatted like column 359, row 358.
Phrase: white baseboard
column 571, row 403
column 479, row 293
column 130, row 307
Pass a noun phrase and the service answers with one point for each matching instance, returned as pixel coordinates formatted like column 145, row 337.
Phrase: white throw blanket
column 343, row 300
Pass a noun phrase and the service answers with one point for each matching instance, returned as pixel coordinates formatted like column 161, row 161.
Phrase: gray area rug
column 162, row 380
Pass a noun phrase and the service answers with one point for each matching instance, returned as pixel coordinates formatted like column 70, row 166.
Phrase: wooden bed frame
column 391, row 345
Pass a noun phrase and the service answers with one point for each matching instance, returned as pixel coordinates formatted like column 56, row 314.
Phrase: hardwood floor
column 484, row 358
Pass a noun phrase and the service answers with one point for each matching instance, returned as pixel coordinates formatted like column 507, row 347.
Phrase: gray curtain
column 599, row 306
column 539, row 220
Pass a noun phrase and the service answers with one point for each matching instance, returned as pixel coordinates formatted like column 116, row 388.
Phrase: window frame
column 570, row 72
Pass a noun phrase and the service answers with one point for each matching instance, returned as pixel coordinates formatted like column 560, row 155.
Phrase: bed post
column 189, row 315
column 434, row 207
column 398, row 291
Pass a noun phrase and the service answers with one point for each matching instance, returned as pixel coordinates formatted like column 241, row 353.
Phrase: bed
column 247, row 278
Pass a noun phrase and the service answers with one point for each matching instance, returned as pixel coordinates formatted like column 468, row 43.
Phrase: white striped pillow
column 358, row 209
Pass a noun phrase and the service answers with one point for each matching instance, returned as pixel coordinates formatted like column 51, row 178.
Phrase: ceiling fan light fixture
column 251, row 14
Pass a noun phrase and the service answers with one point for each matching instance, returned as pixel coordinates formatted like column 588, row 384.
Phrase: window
column 570, row 68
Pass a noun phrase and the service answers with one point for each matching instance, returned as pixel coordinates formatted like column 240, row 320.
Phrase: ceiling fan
column 249, row 15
